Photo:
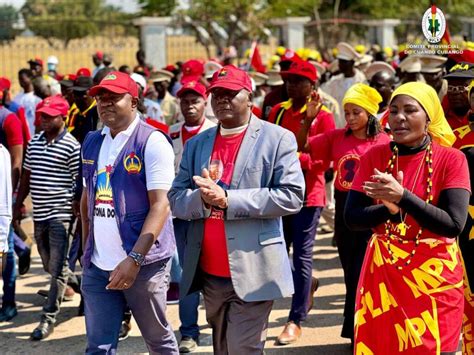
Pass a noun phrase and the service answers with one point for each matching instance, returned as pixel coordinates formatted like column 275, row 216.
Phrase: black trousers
column 351, row 246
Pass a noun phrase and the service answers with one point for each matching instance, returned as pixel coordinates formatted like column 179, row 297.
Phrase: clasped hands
column 211, row 193
column 386, row 188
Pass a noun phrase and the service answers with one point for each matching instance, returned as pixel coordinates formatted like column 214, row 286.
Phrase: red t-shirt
column 24, row 126
column 13, row 130
column 450, row 171
column 464, row 137
column 313, row 169
column 185, row 134
column 214, row 257
column 454, row 120
column 345, row 151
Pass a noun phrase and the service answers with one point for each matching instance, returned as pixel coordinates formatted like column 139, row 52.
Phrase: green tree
column 70, row 19
column 157, row 7
column 8, row 17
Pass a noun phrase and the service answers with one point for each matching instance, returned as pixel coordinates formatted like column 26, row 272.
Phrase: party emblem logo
column 132, row 163
column 222, row 73
column 433, row 24
column 110, row 77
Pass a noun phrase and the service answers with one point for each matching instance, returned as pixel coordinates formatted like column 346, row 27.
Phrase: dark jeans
column 300, row 230
column 9, row 273
column 351, row 247
column 188, row 306
column 52, row 241
column 147, row 299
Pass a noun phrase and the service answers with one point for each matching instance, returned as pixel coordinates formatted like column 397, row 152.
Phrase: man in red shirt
column 300, row 229
column 234, row 184
column 456, row 102
column 12, row 138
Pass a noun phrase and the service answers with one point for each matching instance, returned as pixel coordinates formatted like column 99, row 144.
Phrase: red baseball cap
column 194, row 86
column 99, row 55
column 301, row 68
column 289, row 56
column 5, row 84
column 36, row 60
column 192, row 70
column 116, row 82
column 232, row 78
column 54, row 106
column 83, row 72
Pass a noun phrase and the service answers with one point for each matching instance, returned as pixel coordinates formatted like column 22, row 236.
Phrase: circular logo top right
column 433, row 24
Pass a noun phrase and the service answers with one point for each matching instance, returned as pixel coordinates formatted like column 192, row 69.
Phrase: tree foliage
column 70, row 19
column 8, row 18
column 157, row 7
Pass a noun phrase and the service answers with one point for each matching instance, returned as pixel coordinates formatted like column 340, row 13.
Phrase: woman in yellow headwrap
column 414, row 194
column 344, row 147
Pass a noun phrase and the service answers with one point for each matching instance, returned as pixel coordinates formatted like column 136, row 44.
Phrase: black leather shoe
column 42, row 331
column 24, row 262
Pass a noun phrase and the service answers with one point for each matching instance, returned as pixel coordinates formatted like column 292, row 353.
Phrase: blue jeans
column 9, row 273
column 176, row 269
column 188, row 306
column 147, row 300
column 52, row 240
column 300, row 230
column 20, row 245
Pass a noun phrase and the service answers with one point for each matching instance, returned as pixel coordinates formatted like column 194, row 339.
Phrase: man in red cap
column 97, row 59
column 36, row 66
column 192, row 96
column 49, row 173
column 193, row 70
column 300, row 229
column 127, row 229
column 234, row 184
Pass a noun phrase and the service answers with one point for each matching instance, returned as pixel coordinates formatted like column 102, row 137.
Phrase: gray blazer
column 267, row 183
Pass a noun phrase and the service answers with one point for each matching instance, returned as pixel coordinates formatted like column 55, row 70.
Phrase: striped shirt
column 54, row 167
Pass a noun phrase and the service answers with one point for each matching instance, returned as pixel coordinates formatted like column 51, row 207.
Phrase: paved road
column 320, row 333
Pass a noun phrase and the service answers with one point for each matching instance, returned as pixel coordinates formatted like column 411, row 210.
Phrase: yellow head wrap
column 471, row 85
column 428, row 99
column 364, row 96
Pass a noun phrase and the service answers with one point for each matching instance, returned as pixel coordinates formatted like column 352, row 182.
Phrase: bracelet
column 137, row 258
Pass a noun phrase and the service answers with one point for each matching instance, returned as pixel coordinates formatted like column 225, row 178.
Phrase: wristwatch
column 137, row 258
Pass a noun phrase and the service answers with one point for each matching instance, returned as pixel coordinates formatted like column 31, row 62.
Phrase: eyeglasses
column 458, row 89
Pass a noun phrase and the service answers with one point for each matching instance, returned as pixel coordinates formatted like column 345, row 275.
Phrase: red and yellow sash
column 415, row 310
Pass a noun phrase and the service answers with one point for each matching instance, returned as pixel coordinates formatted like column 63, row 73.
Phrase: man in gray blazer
column 235, row 182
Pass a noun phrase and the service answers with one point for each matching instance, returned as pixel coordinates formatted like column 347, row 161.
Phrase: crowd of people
column 199, row 178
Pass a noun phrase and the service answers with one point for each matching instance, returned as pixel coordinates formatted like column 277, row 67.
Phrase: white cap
column 366, row 59
column 52, row 60
column 258, row 78
column 139, row 79
column 274, row 78
column 346, row 52
column 210, row 68
column 161, row 75
column 431, row 63
column 321, row 69
column 377, row 67
column 410, row 64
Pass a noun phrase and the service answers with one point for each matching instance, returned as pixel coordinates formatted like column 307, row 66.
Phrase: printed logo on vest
column 132, row 163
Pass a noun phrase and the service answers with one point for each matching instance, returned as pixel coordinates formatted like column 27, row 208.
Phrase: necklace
column 402, row 227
